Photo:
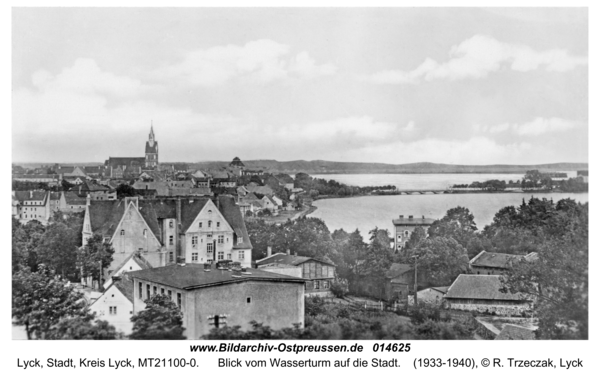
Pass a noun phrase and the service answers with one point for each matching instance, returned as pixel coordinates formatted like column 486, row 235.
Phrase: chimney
column 287, row 251
column 178, row 210
column 410, row 217
column 269, row 250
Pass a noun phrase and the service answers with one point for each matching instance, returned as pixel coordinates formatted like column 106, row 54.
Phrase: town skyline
column 458, row 83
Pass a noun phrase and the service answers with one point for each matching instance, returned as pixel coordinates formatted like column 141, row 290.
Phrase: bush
column 339, row 288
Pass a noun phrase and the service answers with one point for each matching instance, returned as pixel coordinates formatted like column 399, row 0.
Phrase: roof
column 106, row 215
column 193, row 276
column 125, row 286
column 73, row 199
column 481, row 287
column 397, row 269
column 514, row 332
column 497, row 260
column 128, row 161
column 293, row 260
column 413, row 221
column 264, row 190
column 439, row 289
column 22, row 196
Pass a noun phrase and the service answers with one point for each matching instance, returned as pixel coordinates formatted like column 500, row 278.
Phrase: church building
column 131, row 167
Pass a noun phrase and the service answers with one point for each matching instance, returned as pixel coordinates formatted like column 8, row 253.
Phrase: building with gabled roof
column 115, row 304
column 134, row 262
column 193, row 229
column 318, row 273
column 482, row 293
column 31, row 205
column 486, row 263
column 212, row 297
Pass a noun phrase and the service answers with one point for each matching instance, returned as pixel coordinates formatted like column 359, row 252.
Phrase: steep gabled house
column 115, row 305
column 191, row 230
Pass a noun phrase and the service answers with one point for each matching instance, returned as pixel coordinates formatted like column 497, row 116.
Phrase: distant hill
column 333, row 167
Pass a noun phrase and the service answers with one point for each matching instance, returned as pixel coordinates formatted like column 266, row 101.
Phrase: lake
column 368, row 212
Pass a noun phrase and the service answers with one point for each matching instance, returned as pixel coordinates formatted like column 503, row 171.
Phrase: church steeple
column 151, row 149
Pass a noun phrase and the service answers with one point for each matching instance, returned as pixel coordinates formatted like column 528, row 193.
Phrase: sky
column 393, row 85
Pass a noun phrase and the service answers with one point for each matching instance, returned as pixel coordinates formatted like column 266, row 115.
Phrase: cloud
column 479, row 56
column 536, row 127
column 258, row 61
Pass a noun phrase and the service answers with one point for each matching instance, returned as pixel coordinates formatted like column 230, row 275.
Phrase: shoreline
column 445, row 192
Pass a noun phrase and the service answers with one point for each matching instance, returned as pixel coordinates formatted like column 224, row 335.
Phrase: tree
column 161, row 319
column 58, row 249
column 441, row 259
column 125, row 190
column 459, row 224
column 84, row 328
column 96, row 252
column 25, row 241
column 41, row 299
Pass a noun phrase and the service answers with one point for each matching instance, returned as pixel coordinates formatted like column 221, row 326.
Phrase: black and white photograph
column 300, row 174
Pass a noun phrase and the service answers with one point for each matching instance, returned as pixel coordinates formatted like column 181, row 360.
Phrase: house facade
column 165, row 231
column 318, row 274
column 405, row 226
column 115, row 305
column 211, row 297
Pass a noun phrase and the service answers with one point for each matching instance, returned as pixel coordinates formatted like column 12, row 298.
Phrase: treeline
column 321, row 187
column 533, row 179
column 558, row 232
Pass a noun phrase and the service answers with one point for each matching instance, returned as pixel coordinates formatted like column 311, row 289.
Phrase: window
column 170, row 256
column 170, row 293
column 309, row 285
column 194, row 257
column 162, row 291
column 221, row 255
column 144, row 232
column 239, row 240
column 218, row 224
column 221, row 239
column 229, row 256
column 112, row 310
column 140, row 291
column 170, row 240
column 325, row 284
column 209, row 212
column 179, row 299
column 122, row 232
column 317, row 284
column 200, row 224
column 147, row 291
column 209, row 247
column 155, row 290
column 406, row 233
column 194, row 241
column 248, row 300
column 241, row 255
column 171, row 224
column 209, row 236
column 209, row 223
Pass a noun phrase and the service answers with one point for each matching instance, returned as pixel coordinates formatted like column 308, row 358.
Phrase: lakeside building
column 214, row 297
column 405, row 226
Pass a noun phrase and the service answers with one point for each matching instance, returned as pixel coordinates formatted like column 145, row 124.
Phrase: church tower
column 151, row 150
